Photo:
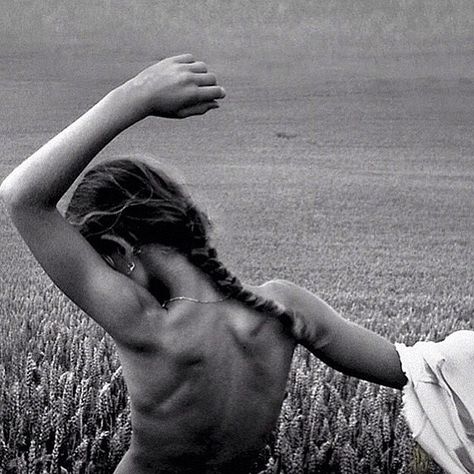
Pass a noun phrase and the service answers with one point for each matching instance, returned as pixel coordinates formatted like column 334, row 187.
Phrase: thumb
column 197, row 109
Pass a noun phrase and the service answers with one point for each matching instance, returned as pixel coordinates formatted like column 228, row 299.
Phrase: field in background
column 352, row 179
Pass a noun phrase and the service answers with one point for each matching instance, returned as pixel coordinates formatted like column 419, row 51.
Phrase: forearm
column 42, row 179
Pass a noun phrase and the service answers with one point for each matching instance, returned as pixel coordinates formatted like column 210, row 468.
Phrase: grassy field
column 354, row 184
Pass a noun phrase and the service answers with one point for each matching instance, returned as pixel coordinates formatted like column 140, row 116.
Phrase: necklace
column 165, row 304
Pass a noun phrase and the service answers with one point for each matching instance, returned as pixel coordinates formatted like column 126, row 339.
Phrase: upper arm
column 343, row 345
column 312, row 316
column 109, row 297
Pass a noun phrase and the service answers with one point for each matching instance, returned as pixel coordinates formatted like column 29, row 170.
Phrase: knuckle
column 185, row 76
column 190, row 94
column 193, row 91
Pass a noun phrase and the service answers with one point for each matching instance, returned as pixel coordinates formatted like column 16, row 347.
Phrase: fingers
column 208, row 93
column 183, row 58
column 198, row 109
column 208, row 79
column 192, row 65
column 195, row 90
column 198, row 66
column 201, row 75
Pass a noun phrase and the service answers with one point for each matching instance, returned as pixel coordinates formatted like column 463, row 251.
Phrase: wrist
column 126, row 104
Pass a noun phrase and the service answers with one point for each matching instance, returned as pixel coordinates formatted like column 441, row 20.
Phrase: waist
column 195, row 440
column 188, row 463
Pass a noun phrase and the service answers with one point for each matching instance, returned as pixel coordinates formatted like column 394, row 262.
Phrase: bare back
column 206, row 384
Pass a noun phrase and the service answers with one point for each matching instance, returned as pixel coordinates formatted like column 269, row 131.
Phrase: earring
column 131, row 267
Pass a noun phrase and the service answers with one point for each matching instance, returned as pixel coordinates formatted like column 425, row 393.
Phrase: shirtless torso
column 206, row 384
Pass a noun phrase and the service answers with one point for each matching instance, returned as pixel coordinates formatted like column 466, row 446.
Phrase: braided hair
column 141, row 204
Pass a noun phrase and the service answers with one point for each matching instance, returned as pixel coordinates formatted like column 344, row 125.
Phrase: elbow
column 7, row 192
column 13, row 197
column 17, row 197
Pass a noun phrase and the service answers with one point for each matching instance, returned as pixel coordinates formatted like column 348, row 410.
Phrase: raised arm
column 176, row 87
column 341, row 344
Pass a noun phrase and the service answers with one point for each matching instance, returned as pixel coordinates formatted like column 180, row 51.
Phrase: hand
column 176, row 87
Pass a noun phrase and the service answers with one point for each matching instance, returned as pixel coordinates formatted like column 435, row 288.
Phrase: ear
column 122, row 246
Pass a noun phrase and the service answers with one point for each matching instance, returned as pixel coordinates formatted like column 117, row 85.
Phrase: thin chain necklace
column 165, row 304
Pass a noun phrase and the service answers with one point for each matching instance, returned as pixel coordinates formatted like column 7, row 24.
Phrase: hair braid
column 206, row 259
column 141, row 204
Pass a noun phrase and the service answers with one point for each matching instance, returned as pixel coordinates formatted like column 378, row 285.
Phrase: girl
column 204, row 356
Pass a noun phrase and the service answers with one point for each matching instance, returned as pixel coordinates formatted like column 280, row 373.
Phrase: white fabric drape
column 438, row 400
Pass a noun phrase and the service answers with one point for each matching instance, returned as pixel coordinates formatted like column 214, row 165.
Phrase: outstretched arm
column 176, row 87
column 341, row 344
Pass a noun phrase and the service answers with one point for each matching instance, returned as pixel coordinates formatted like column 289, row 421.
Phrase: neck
column 171, row 275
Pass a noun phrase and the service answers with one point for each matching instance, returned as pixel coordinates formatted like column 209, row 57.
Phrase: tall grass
column 64, row 405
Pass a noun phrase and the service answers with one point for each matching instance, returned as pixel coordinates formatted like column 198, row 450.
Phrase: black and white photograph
column 237, row 237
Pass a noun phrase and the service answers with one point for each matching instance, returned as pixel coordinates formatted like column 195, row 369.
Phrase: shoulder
column 287, row 293
column 313, row 316
column 284, row 290
column 278, row 290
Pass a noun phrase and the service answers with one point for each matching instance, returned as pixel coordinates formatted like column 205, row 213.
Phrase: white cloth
column 438, row 400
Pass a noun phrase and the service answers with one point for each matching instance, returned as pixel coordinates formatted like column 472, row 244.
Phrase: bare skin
column 206, row 384
column 206, row 381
